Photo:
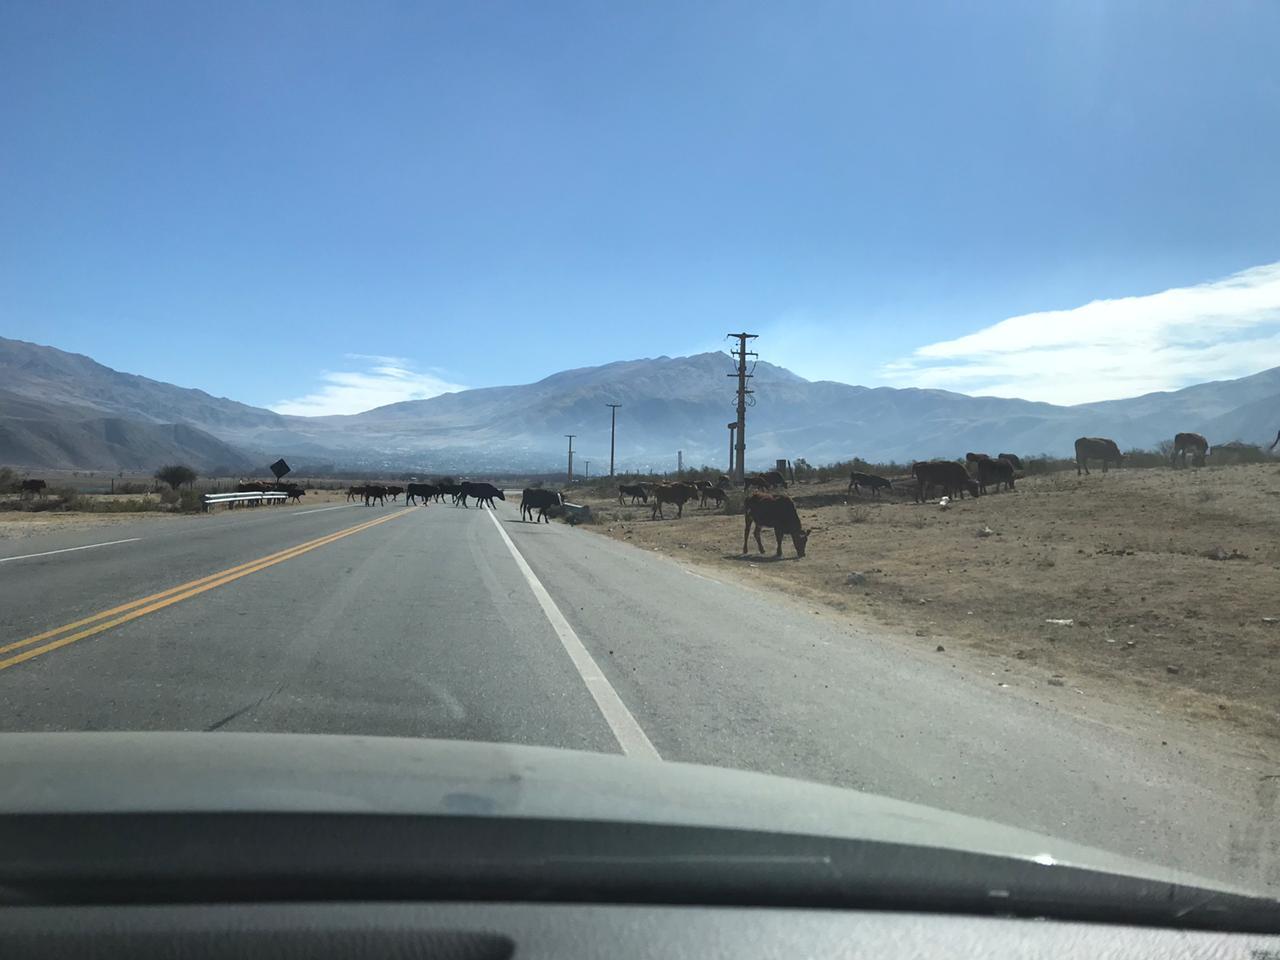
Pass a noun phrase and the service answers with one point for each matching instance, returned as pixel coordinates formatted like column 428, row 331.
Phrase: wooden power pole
column 571, row 436
column 741, row 354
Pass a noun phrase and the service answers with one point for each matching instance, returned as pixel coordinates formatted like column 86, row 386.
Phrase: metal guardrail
column 213, row 499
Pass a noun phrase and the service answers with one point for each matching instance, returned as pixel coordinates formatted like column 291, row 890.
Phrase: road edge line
column 626, row 729
column 87, row 546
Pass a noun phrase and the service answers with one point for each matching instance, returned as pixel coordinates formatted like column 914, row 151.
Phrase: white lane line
column 303, row 513
column 630, row 737
column 87, row 546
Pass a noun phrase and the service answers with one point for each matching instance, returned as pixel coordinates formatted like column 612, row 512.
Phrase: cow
column 483, row 493
column 294, row 493
column 775, row 479
column 947, row 474
column 635, row 491
column 713, row 493
column 375, row 491
column 540, row 500
column 253, row 486
column 1013, row 458
column 34, row 487
column 779, row 512
column 994, row 471
column 873, row 483
column 724, row 483
column 424, row 490
column 355, row 493
column 677, row 493
column 450, row 490
column 1275, row 441
column 755, row 480
column 1193, row 442
column 394, row 491
column 976, row 457
column 1096, row 448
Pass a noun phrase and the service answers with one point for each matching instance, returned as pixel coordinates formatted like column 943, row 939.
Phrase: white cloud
column 382, row 380
column 1112, row 348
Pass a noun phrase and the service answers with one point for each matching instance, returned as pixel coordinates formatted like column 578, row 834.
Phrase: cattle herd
column 979, row 474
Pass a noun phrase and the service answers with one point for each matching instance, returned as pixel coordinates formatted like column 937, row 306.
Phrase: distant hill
column 668, row 404
column 37, row 434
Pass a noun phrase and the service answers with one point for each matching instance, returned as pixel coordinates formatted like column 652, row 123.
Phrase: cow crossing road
column 446, row 622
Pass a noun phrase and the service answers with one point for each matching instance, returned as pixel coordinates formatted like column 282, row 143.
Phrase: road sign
column 280, row 468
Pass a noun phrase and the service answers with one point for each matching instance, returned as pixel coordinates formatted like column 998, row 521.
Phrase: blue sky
column 323, row 206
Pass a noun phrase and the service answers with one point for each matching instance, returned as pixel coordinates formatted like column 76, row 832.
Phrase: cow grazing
column 1012, row 458
column 994, row 471
column 713, row 493
column 635, row 491
column 482, row 492
column 776, row 511
column 1096, row 448
column 873, row 483
column 677, row 493
column 540, row 500
column 756, row 481
column 32, row 487
column 1192, row 443
column 424, row 490
column 947, row 474
column 375, row 491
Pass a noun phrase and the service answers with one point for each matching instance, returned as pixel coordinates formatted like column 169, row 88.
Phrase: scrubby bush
column 176, row 475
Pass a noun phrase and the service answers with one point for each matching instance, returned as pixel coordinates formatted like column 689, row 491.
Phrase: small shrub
column 191, row 501
column 169, row 496
column 859, row 514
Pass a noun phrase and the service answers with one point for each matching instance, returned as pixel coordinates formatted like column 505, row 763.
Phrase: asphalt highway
column 442, row 622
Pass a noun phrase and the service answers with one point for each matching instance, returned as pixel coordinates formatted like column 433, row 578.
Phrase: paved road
column 445, row 622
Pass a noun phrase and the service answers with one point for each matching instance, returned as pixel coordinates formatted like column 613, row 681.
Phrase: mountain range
column 60, row 409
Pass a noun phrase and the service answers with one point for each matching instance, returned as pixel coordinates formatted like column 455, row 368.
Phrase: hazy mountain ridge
column 669, row 404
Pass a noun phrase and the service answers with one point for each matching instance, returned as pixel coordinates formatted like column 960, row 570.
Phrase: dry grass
column 1131, row 558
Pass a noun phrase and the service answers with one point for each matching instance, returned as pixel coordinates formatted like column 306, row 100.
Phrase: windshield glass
column 880, row 396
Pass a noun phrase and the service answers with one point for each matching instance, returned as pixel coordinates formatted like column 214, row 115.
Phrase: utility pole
column 679, row 462
column 571, row 436
column 613, row 429
column 742, row 353
column 587, row 475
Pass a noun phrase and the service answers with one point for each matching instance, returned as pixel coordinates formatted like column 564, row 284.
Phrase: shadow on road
column 756, row 557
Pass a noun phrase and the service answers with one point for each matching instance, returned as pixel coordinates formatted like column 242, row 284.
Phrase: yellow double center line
column 69, row 633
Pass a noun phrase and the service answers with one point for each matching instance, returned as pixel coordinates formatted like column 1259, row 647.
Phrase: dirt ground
column 1169, row 580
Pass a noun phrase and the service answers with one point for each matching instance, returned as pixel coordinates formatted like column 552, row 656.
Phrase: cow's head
column 801, row 540
column 500, row 495
column 973, row 488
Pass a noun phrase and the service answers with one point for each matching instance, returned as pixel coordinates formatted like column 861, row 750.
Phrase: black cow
column 1192, row 443
column 394, row 491
column 1012, row 458
column 636, row 491
column 424, row 490
column 36, row 487
column 375, row 491
column 873, row 483
column 540, row 500
column 1096, row 448
column 449, row 490
column 996, row 471
column 776, row 511
column 947, row 474
column 482, row 492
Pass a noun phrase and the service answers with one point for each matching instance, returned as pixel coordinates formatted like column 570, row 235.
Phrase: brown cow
column 947, row 474
column 996, row 471
column 1012, row 458
column 1096, row 448
column 677, row 493
column 1193, row 442
column 779, row 512
column 713, row 493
